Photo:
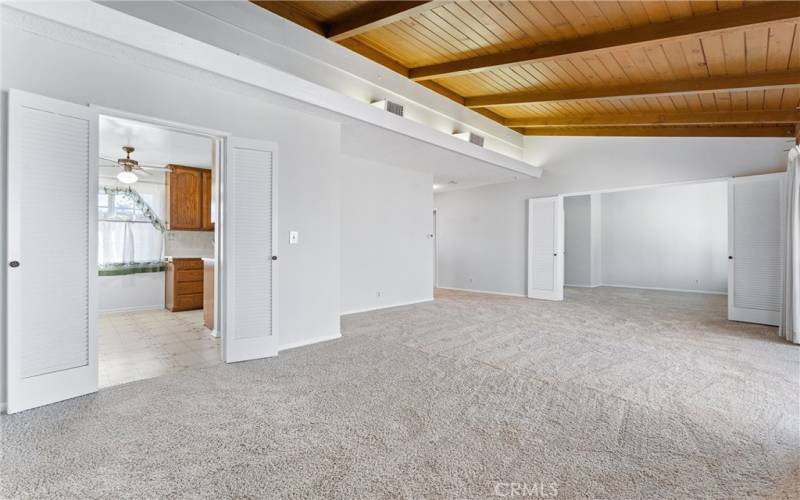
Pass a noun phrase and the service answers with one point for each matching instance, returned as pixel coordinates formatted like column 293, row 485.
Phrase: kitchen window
column 130, row 232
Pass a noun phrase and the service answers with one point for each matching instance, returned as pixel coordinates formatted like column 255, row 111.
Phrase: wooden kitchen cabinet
column 189, row 199
column 184, row 286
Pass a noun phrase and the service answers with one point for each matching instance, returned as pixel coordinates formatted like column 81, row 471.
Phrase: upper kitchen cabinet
column 189, row 199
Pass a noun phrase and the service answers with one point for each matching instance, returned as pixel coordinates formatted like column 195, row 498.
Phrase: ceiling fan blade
column 109, row 160
column 153, row 167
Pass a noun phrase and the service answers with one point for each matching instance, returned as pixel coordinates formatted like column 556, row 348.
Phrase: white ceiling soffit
column 449, row 171
column 154, row 145
column 115, row 25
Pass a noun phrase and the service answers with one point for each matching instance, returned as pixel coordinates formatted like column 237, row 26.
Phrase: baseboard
column 472, row 290
column 315, row 340
column 3, row 407
column 581, row 286
column 388, row 306
column 707, row 292
column 132, row 309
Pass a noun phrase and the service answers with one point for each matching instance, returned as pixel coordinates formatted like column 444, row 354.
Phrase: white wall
column 131, row 292
column 577, row 240
column 386, row 216
column 86, row 69
column 483, row 233
column 672, row 237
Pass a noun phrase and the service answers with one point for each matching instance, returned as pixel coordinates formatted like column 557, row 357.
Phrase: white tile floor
column 146, row 344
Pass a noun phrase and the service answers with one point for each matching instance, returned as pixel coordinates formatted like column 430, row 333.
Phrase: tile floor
column 146, row 344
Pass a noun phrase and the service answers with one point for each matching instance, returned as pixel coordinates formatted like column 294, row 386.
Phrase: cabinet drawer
column 188, row 264
column 182, row 275
column 192, row 301
column 188, row 287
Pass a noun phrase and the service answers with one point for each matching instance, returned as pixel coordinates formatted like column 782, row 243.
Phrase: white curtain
column 790, row 309
column 128, row 242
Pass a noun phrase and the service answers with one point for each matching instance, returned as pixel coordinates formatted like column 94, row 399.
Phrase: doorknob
column 13, row 263
column 274, row 257
column 730, row 257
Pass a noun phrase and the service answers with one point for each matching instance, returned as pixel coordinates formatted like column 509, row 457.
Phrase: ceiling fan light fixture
column 127, row 177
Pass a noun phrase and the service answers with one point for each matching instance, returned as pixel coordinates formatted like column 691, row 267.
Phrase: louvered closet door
column 52, row 250
column 545, row 248
column 249, row 251
column 755, row 270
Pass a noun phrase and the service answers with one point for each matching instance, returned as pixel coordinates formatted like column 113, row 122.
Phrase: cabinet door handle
column 274, row 257
column 13, row 263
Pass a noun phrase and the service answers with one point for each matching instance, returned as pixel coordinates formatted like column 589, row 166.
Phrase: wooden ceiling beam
column 683, row 118
column 778, row 131
column 286, row 11
column 750, row 15
column 762, row 81
column 374, row 15
column 381, row 58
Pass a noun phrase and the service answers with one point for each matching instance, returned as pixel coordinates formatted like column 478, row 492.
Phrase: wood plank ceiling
column 661, row 68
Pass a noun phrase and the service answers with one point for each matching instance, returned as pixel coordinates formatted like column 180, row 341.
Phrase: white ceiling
column 154, row 145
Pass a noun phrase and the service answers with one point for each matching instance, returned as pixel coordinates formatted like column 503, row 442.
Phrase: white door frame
column 557, row 293
column 221, row 140
column 435, row 248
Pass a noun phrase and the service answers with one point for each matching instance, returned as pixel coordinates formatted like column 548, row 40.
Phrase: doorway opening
column 669, row 238
column 157, row 223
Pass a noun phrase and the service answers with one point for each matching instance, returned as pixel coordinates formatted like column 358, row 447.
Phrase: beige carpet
column 611, row 394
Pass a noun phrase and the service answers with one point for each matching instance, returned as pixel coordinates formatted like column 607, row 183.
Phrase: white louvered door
column 52, row 250
column 546, row 248
column 755, row 269
column 249, row 251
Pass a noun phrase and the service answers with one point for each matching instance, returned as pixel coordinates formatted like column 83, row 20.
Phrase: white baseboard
column 315, row 340
column 708, row 292
column 154, row 307
column 387, row 306
column 472, row 290
column 581, row 286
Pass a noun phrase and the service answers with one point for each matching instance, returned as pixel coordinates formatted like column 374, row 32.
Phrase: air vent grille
column 393, row 107
column 470, row 137
column 476, row 139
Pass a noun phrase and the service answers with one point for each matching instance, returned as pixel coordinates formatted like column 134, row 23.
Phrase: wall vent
column 391, row 107
column 470, row 137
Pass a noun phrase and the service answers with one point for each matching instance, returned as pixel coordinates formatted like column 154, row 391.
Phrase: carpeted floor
column 613, row 393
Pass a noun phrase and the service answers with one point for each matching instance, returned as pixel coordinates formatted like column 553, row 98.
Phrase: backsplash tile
column 189, row 244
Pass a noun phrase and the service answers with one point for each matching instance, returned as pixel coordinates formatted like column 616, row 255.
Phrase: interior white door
column 52, row 250
column 755, row 237
column 546, row 248
column 249, row 251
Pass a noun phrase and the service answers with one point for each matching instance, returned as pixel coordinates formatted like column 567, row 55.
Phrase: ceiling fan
column 130, row 167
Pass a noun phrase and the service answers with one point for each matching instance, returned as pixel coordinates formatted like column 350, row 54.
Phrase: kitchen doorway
column 157, row 220
column 52, row 340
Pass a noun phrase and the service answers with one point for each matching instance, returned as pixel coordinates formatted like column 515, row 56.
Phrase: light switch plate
column 294, row 237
